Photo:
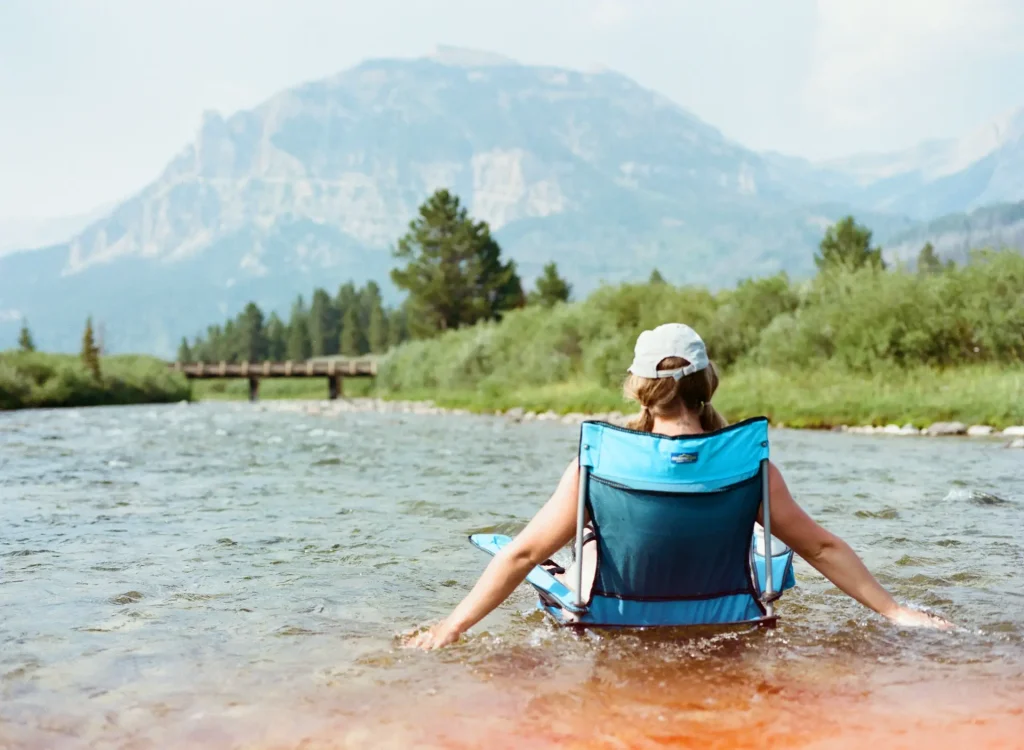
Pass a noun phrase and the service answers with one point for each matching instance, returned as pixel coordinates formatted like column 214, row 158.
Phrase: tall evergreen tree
column 351, row 336
column 299, row 347
column 656, row 277
column 184, row 352
column 277, row 338
column 369, row 298
column 25, row 342
column 229, row 342
column 323, row 325
column 377, row 331
column 928, row 261
column 847, row 244
column 551, row 288
column 90, row 352
column 372, row 319
column 252, row 341
column 453, row 269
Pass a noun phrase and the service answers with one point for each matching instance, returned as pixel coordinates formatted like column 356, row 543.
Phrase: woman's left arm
column 548, row 531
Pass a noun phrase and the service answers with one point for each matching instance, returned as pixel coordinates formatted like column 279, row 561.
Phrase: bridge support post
column 254, row 389
column 334, row 387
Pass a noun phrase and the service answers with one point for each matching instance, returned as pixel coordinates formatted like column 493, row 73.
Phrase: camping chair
column 674, row 520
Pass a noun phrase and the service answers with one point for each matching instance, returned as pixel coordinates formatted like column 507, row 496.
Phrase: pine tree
column 369, row 298
column 90, row 352
column 252, row 342
column 453, row 269
column 847, row 244
column 656, row 277
column 928, row 261
column 323, row 325
column 277, row 338
column 299, row 347
column 25, row 342
column 229, row 342
column 377, row 330
column 351, row 338
column 184, row 352
column 551, row 288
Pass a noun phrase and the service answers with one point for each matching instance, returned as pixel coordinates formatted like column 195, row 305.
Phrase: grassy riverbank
column 37, row 380
column 977, row 395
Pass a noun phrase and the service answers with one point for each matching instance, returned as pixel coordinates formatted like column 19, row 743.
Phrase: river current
column 229, row 575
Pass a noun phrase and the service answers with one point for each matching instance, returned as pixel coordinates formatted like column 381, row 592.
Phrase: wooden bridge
column 332, row 369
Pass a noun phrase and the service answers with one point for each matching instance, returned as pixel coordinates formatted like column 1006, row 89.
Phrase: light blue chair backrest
column 674, row 519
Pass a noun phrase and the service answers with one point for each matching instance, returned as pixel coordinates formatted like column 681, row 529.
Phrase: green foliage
column 656, row 277
column 252, row 338
column 90, row 352
column 323, row 325
column 861, row 325
column 398, row 330
column 277, row 339
column 377, row 331
column 847, row 246
column 928, row 260
column 299, row 347
column 25, row 342
column 865, row 321
column 453, row 270
column 184, row 351
column 37, row 380
column 351, row 340
column 742, row 314
column 551, row 288
column 354, row 322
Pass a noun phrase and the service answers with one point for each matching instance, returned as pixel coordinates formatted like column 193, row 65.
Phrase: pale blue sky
column 97, row 95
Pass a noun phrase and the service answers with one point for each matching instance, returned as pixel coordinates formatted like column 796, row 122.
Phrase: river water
column 237, row 576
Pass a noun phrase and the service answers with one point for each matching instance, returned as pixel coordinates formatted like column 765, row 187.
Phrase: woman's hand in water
column 915, row 618
column 438, row 636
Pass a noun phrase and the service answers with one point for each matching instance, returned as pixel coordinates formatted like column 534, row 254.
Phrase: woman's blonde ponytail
column 664, row 396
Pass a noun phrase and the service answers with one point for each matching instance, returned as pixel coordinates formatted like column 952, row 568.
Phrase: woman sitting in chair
column 673, row 381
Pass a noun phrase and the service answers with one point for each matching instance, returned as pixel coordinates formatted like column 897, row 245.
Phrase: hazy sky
column 97, row 95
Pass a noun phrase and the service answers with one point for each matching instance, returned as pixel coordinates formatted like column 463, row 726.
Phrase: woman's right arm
column 833, row 558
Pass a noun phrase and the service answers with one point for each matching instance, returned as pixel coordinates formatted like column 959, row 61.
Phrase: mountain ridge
column 314, row 185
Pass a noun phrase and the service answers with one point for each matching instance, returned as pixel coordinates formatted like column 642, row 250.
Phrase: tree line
column 453, row 274
column 858, row 314
column 351, row 323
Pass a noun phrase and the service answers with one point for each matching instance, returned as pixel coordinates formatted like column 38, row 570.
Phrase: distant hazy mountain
column 18, row 234
column 313, row 186
column 939, row 177
column 953, row 236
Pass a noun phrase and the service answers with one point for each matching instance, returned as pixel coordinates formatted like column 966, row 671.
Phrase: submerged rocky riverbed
column 230, row 575
column 1013, row 436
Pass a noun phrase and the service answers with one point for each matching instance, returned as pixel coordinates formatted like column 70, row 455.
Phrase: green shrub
column 37, row 380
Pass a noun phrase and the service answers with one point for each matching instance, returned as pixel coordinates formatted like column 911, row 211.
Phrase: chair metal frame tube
column 581, row 512
column 769, row 588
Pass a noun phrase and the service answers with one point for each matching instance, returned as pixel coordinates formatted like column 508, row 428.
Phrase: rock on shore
column 518, row 414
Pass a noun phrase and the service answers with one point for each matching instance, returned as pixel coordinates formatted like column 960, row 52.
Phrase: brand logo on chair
column 684, row 458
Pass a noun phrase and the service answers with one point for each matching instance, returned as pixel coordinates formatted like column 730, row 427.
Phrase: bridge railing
column 332, row 369
column 352, row 368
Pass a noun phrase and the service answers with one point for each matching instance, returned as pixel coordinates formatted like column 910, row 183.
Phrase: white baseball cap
column 668, row 340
